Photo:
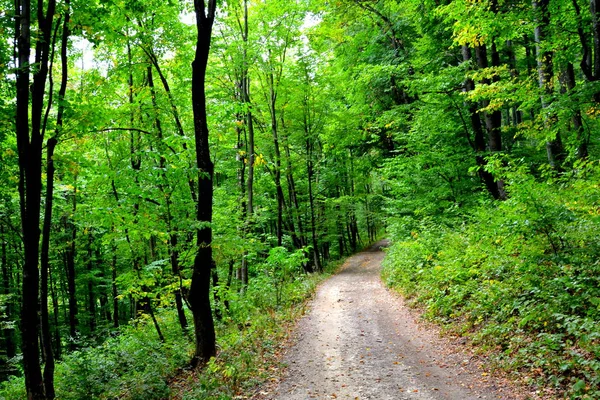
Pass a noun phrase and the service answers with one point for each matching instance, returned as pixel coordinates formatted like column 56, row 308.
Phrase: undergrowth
column 136, row 365
column 520, row 277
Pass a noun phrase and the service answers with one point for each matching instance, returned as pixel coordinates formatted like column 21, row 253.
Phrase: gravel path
column 358, row 341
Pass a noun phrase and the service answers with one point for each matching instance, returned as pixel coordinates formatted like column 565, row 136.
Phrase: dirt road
column 358, row 341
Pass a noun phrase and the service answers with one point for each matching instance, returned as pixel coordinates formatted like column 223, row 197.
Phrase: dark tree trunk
column 44, row 268
column 293, row 199
column 554, row 147
column 71, row 287
column 478, row 143
column 150, row 310
column 50, row 170
column 250, row 143
column 493, row 119
column 90, row 286
column 277, row 172
column 340, row 228
column 582, row 140
column 228, row 285
column 56, row 311
column 199, row 296
column 177, row 274
column 596, row 35
column 115, row 294
column 173, row 232
column 29, row 146
column 9, row 333
column 311, row 199
column 493, row 122
column 216, row 295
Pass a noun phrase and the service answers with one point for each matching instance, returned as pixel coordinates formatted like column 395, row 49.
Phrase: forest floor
column 359, row 341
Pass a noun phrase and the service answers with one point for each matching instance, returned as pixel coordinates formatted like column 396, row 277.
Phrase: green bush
column 136, row 365
column 521, row 277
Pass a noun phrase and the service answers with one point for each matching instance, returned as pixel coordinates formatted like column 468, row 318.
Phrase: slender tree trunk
column 582, row 140
column 479, row 144
column 250, row 143
column 50, row 170
column 90, row 286
column 517, row 116
column 155, row 321
column 175, row 269
column 493, row 122
column 70, row 258
column 596, row 41
column 29, row 146
column 199, row 296
column 173, row 232
column 554, row 147
column 277, row 172
column 115, row 294
column 216, row 295
column 56, row 311
column 44, row 268
column 241, row 158
column 228, row 284
column 292, row 194
column 9, row 333
column 311, row 199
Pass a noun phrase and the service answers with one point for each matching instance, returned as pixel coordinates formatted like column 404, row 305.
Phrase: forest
column 177, row 176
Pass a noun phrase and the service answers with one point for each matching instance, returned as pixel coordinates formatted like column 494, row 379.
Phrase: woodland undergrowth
column 135, row 365
column 520, row 277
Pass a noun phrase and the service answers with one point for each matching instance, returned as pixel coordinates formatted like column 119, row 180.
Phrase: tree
column 199, row 296
column 29, row 142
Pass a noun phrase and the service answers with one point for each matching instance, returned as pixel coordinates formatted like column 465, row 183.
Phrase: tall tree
column 199, row 296
column 30, row 136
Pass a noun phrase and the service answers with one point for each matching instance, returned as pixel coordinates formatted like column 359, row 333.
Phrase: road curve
column 358, row 341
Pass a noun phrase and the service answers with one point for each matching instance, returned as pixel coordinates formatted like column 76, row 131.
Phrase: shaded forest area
column 465, row 129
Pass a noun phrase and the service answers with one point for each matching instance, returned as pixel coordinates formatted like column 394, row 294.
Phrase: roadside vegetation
column 135, row 364
column 146, row 199
column 520, row 278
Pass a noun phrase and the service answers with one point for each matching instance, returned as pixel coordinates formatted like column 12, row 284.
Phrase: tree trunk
column 115, row 294
column 582, row 141
column 216, row 295
column 493, row 122
column 293, row 198
column 228, row 284
column 70, row 261
column 56, row 311
column 277, row 172
column 29, row 146
column 9, row 333
column 173, row 232
column 150, row 310
column 199, row 296
column 44, row 268
column 311, row 199
column 596, row 41
column 479, row 144
column 250, row 143
column 177, row 274
column 554, row 147
column 90, row 286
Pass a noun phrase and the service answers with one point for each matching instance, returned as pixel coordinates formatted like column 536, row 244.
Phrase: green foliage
column 132, row 365
column 520, row 277
column 136, row 365
column 282, row 267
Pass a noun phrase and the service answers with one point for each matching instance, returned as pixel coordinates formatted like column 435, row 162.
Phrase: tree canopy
column 176, row 165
